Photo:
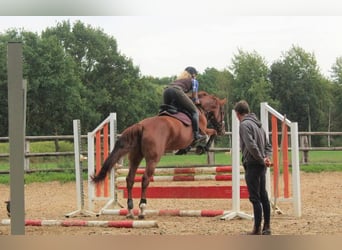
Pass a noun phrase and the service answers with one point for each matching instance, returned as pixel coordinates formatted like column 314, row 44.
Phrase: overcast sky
column 164, row 46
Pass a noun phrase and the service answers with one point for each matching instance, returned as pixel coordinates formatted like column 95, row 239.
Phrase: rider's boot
column 195, row 128
column 183, row 151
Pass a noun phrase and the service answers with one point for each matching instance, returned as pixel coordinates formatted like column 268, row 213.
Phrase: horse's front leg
column 210, row 141
column 149, row 170
column 202, row 149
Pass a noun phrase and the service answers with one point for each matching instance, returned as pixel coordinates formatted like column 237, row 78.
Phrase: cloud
column 169, row 8
column 163, row 46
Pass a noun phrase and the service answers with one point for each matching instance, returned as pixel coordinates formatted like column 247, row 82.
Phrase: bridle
column 218, row 124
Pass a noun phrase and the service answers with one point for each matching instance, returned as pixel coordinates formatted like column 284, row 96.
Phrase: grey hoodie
column 253, row 141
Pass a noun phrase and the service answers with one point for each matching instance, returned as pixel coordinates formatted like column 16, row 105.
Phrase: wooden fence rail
column 304, row 146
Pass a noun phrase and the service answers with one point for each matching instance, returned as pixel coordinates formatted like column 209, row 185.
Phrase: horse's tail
column 130, row 138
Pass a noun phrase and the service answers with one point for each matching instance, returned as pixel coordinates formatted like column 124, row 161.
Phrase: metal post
column 78, row 173
column 236, row 174
column 16, row 127
column 295, row 170
column 264, row 122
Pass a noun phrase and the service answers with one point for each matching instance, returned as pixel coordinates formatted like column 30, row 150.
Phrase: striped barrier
column 186, row 170
column 187, row 192
column 169, row 212
column 196, row 173
column 182, row 178
column 84, row 223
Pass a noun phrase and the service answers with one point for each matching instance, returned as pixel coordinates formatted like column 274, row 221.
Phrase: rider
column 175, row 95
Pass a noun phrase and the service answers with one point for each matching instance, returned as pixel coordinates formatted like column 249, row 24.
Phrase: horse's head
column 214, row 110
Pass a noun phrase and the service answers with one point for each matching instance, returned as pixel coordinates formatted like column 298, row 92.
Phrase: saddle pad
column 179, row 116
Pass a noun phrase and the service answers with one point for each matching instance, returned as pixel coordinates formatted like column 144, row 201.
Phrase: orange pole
column 285, row 147
column 98, row 159
column 275, row 155
column 105, row 155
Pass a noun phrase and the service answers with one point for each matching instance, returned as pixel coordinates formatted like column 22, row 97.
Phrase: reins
column 210, row 116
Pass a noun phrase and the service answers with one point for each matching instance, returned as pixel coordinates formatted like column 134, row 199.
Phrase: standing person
column 175, row 95
column 256, row 153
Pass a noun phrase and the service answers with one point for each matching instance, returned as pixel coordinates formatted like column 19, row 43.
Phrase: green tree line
column 76, row 71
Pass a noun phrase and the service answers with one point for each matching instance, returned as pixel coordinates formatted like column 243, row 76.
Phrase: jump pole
column 170, row 212
column 78, row 173
column 85, row 223
column 235, row 212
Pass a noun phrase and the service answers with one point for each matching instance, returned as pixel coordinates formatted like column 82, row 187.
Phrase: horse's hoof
column 181, row 152
column 200, row 150
column 141, row 216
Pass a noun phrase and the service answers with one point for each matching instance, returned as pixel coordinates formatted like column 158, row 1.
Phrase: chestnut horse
column 152, row 137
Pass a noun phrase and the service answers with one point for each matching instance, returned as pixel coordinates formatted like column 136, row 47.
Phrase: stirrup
column 199, row 140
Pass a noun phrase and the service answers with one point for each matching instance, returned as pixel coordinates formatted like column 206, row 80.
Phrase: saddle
column 181, row 115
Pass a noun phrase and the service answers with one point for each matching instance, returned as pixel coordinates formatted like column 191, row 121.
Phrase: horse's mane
column 202, row 93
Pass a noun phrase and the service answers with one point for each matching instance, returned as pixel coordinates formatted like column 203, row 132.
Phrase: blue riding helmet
column 191, row 70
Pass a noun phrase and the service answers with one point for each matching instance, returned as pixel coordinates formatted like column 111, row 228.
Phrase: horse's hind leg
column 149, row 171
column 134, row 162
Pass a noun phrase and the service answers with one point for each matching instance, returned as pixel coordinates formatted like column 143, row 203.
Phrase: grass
column 325, row 157
column 319, row 161
column 50, row 162
column 316, row 168
column 42, row 146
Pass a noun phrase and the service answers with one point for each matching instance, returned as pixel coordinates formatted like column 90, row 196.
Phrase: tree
column 111, row 80
column 53, row 98
column 251, row 81
column 54, row 88
column 336, row 90
column 216, row 82
column 298, row 85
column 337, row 71
column 4, row 39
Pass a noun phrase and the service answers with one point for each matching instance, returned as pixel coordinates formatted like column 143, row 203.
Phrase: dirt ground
column 321, row 212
